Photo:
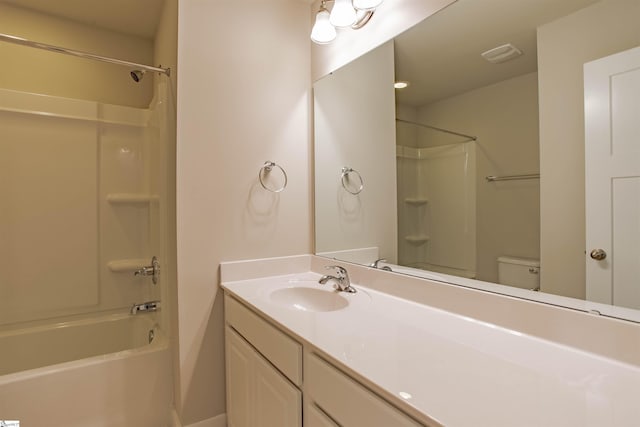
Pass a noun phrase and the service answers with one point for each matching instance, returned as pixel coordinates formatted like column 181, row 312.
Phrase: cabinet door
column 314, row 417
column 239, row 370
column 277, row 402
column 257, row 394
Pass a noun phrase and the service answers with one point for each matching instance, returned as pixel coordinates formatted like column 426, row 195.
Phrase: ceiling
column 440, row 56
column 134, row 17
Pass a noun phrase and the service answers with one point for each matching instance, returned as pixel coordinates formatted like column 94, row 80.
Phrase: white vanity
column 300, row 353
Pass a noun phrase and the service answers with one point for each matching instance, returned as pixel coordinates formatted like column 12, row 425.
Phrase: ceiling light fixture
column 323, row 32
column 344, row 14
column 400, row 84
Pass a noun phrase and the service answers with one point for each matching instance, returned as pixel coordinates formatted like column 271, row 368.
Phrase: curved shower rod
column 133, row 65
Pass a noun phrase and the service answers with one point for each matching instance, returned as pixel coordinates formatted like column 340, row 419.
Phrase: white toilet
column 519, row 272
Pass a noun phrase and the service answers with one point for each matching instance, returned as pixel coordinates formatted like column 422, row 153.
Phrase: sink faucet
column 374, row 264
column 343, row 284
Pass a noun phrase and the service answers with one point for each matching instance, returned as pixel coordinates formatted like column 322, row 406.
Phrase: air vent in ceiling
column 501, row 53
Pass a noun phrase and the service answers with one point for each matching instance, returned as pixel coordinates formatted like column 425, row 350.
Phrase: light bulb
column 366, row 4
column 323, row 32
column 343, row 14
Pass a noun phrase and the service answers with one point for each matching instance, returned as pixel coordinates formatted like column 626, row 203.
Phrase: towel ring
column 268, row 167
column 345, row 175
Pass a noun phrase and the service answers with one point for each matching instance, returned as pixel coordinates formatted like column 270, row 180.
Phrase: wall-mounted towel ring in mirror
column 265, row 169
column 345, row 177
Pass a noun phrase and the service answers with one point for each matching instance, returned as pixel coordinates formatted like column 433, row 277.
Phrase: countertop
column 454, row 370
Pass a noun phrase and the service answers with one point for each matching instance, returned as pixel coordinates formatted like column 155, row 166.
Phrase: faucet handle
column 341, row 272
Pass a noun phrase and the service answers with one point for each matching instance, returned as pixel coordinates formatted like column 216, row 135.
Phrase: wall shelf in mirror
column 418, row 239
column 416, row 201
column 131, row 198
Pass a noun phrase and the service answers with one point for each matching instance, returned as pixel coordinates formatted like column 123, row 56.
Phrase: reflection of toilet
column 519, row 272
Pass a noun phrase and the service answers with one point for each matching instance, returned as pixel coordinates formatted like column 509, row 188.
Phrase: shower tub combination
column 82, row 210
column 100, row 372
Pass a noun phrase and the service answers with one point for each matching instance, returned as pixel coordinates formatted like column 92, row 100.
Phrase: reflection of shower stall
column 436, row 201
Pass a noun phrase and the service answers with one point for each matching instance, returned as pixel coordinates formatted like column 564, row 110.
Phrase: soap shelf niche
column 416, row 201
column 131, row 198
column 417, row 239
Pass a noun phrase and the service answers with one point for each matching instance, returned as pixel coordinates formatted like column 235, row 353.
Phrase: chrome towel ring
column 345, row 177
column 265, row 169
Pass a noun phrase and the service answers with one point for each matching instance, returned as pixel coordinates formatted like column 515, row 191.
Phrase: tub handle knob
column 152, row 270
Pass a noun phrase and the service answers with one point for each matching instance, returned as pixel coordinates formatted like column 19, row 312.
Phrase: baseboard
column 217, row 421
column 175, row 419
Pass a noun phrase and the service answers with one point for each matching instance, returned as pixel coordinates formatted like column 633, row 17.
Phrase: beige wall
column 504, row 117
column 38, row 71
column 564, row 45
column 354, row 126
column 244, row 97
column 391, row 18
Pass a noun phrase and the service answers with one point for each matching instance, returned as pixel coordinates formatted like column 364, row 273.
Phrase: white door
column 612, row 177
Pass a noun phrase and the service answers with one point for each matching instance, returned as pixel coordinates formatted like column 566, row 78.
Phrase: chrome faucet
column 374, row 264
column 343, row 284
column 152, row 270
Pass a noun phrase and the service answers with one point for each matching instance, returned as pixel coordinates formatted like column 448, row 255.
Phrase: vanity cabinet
column 265, row 386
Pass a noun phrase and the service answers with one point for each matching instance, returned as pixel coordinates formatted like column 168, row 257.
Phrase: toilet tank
column 519, row 272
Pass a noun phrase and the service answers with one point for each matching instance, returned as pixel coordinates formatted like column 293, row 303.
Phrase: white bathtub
column 100, row 372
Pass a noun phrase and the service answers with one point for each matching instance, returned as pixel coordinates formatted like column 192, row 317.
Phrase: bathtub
column 101, row 372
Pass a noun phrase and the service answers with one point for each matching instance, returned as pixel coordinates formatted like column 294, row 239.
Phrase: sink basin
column 309, row 299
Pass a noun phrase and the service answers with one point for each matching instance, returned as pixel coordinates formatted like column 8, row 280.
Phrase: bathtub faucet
column 145, row 306
column 152, row 270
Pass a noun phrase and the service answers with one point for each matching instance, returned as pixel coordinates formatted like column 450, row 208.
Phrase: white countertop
column 456, row 370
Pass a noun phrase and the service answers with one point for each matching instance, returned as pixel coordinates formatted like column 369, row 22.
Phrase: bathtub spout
column 145, row 306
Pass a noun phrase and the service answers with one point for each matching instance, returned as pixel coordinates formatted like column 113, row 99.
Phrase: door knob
column 598, row 254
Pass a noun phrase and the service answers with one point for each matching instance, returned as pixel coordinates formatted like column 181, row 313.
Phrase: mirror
column 475, row 171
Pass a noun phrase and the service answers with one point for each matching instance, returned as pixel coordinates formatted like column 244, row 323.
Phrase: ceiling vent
column 502, row 53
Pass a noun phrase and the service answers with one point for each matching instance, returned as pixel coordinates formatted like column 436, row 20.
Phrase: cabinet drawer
column 346, row 401
column 280, row 349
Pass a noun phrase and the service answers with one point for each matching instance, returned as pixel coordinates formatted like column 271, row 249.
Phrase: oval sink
column 309, row 299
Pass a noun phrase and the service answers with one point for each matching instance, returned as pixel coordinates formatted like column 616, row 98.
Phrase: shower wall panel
column 48, row 215
column 76, row 200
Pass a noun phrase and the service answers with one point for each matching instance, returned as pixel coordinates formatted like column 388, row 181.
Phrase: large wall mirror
column 474, row 173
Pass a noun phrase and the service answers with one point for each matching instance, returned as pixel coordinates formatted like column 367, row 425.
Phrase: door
column 612, row 178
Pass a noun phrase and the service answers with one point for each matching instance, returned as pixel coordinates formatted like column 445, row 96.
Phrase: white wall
column 504, row 117
column 564, row 45
column 38, row 71
column 355, row 127
column 244, row 97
